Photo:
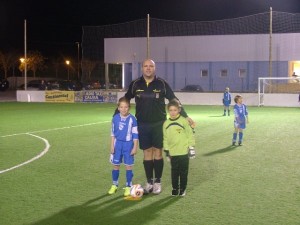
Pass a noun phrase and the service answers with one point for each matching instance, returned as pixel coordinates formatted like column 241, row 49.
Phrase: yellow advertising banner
column 59, row 96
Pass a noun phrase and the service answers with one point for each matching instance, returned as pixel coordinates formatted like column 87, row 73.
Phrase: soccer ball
column 136, row 191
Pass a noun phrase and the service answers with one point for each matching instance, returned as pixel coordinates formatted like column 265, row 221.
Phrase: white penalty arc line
column 46, row 149
column 34, row 158
column 53, row 129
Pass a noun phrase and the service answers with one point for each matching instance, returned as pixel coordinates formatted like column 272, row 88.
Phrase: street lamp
column 22, row 60
column 68, row 65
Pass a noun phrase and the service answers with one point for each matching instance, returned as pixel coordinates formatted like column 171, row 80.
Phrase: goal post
column 268, row 85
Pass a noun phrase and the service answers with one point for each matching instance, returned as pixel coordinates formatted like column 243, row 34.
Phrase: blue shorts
column 239, row 125
column 122, row 151
column 226, row 103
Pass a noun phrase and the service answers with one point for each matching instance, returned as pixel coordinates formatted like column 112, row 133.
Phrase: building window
column 242, row 73
column 204, row 73
column 223, row 73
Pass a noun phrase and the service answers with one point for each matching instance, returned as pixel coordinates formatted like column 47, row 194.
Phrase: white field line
column 47, row 145
column 53, row 129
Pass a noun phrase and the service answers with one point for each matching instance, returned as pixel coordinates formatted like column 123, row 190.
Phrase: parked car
column 33, row 85
column 63, row 85
column 4, row 85
column 53, row 85
column 92, row 85
column 192, row 88
column 111, row 86
column 70, row 85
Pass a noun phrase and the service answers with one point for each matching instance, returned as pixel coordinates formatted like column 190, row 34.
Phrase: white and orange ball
column 136, row 191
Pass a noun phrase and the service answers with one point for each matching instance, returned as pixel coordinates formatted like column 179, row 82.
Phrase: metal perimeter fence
column 93, row 36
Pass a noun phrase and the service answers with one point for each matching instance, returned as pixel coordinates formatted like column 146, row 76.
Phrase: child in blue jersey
column 240, row 119
column 226, row 101
column 124, row 144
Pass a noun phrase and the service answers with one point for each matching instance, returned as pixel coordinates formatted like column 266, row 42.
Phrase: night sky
column 56, row 26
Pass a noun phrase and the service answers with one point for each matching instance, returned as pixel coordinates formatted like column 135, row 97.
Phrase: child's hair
column 123, row 99
column 175, row 103
column 227, row 89
column 236, row 98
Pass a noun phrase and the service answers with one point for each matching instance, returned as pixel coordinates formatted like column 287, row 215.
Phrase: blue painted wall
column 180, row 74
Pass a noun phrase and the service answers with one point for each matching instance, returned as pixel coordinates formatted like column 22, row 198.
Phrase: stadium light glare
column 68, row 66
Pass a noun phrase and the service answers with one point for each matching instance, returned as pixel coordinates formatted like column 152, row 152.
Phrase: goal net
column 277, row 85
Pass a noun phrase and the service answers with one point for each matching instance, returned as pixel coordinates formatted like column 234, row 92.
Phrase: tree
column 7, row 61
column 35, row 61
column 89, row 65
column 57, row 64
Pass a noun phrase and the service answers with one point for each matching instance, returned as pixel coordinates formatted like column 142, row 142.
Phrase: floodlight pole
column 148, row 36
column 270, row 44
column 78, row 73
column 25, row 55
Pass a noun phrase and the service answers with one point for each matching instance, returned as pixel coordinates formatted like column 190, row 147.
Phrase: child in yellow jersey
column 178, row 145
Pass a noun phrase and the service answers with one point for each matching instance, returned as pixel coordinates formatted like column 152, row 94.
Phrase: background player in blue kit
column 226, row 101
column 124, row 144
column 240, row 119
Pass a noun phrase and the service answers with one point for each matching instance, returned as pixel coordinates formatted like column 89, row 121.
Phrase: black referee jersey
column 150, row 99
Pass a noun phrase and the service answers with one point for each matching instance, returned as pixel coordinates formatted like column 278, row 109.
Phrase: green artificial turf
column 257, row 183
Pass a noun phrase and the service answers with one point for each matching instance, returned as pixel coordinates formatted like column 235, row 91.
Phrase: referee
column 150, row 93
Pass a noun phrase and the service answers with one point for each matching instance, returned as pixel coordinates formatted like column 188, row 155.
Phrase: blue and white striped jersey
column 240, row 112
column 227, row 97
column 124, row 128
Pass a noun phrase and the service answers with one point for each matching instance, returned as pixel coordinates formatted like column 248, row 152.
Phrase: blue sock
column 129, row 175
column 234, row 137
column 241, row 137
column 115, row 177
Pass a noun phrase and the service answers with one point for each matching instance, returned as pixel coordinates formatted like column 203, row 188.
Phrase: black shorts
column 150, row 134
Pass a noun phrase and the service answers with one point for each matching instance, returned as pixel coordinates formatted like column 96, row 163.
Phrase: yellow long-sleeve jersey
column 178, row 136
